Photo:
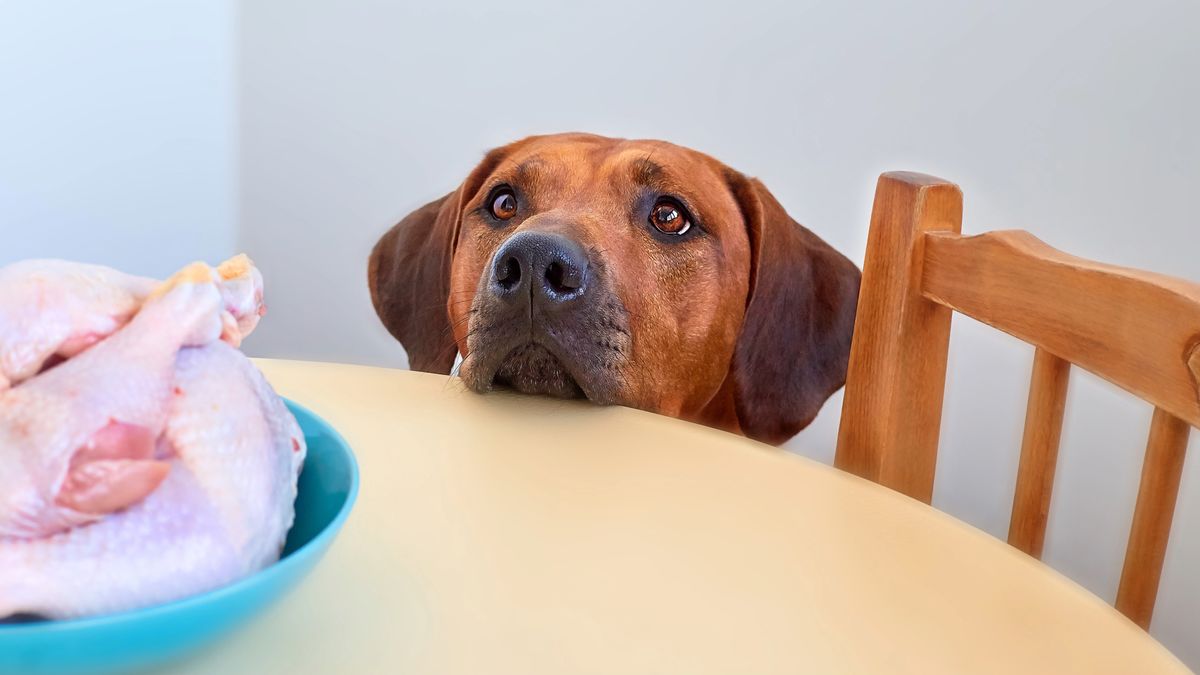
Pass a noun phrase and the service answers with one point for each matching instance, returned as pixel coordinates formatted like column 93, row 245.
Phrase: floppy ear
column 409, row 272
column 795, row 341
column 409, row 276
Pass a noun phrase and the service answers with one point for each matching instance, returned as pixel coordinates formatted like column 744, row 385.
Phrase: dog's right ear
column 409, row 273
column 409, row 277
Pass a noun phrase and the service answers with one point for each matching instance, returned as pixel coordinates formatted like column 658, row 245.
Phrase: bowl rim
column 291, row 560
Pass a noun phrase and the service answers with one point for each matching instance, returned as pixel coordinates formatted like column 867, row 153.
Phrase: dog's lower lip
column 531, row 368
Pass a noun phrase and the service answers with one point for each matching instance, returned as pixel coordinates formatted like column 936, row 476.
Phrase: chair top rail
column 1139, row 330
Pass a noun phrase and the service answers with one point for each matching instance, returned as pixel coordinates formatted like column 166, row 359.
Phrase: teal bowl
column 140, row 639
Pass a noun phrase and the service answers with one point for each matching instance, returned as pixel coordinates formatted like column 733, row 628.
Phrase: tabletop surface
column 510, row 534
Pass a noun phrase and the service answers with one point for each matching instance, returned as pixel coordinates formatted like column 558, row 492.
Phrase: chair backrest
column 1138, row 330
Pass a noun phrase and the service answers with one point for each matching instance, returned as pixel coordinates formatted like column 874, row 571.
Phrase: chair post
column 1158, row 490
column 1039, row 452
column 891, row 414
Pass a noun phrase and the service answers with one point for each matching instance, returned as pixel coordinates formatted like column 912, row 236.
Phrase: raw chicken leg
column 56, row 308
column 221, row 513
column 78, row 441
column 242, row 290
column 50, row 307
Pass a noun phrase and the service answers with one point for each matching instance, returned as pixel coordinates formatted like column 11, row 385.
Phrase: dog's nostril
column 554, row 275
column 561, row 279
column 508, row 273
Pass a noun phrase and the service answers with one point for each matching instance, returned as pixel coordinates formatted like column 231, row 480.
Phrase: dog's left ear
column 408, row 273
column 795, row 341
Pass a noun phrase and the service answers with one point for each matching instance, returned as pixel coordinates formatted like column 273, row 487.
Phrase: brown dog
column 631, row 272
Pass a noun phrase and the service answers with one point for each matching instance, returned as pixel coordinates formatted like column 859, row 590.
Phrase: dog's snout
column 550, row 266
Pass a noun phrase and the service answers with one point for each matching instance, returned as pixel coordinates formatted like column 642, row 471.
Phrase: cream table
column 509, row 534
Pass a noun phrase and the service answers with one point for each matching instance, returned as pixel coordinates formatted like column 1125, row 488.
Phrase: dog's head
column 631, row 272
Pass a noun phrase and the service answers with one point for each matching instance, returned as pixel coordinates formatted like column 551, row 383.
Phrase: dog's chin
column 532, row 369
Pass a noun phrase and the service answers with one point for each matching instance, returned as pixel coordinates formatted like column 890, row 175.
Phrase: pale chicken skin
column 154, row 465
column 222, row 512
column 55, row 308
column 78, row 441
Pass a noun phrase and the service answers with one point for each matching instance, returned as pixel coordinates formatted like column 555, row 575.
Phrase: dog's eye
column 669, row 217
column 504, row 204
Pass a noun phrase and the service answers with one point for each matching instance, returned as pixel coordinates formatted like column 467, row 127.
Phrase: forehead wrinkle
column 529, row 170
column 640, row 167
column 532, row 175
column 661, row 179
column 646, row 171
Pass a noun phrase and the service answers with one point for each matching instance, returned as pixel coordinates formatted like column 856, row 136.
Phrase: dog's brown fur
column 745, row 325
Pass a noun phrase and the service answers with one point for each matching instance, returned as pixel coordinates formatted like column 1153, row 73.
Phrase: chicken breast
column 242, row 444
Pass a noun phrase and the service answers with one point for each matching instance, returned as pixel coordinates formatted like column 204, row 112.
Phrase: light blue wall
column 117, row 132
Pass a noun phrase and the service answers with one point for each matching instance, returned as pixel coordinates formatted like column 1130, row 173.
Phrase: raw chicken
column 52, row 308
column 78, row 441
column 222, row 512
column 242, row 291
column 235, row 435
column 154, row 465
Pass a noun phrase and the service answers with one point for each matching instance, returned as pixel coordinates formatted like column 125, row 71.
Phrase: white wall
column 117, row 132
column 119, row 143
column 1075, row 120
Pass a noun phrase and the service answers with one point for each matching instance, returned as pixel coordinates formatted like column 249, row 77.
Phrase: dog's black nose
column 554, row 265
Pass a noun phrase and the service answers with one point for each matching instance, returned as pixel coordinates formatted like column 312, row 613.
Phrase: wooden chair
column 1138, row 330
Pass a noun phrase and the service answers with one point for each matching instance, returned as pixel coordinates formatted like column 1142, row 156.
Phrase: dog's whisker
column 442, row 305
column 457, row 324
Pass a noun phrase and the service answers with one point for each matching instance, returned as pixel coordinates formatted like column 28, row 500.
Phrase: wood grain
column 1136, row 329
column 1039, row 452
column 1161, row 471
column 891, row 413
